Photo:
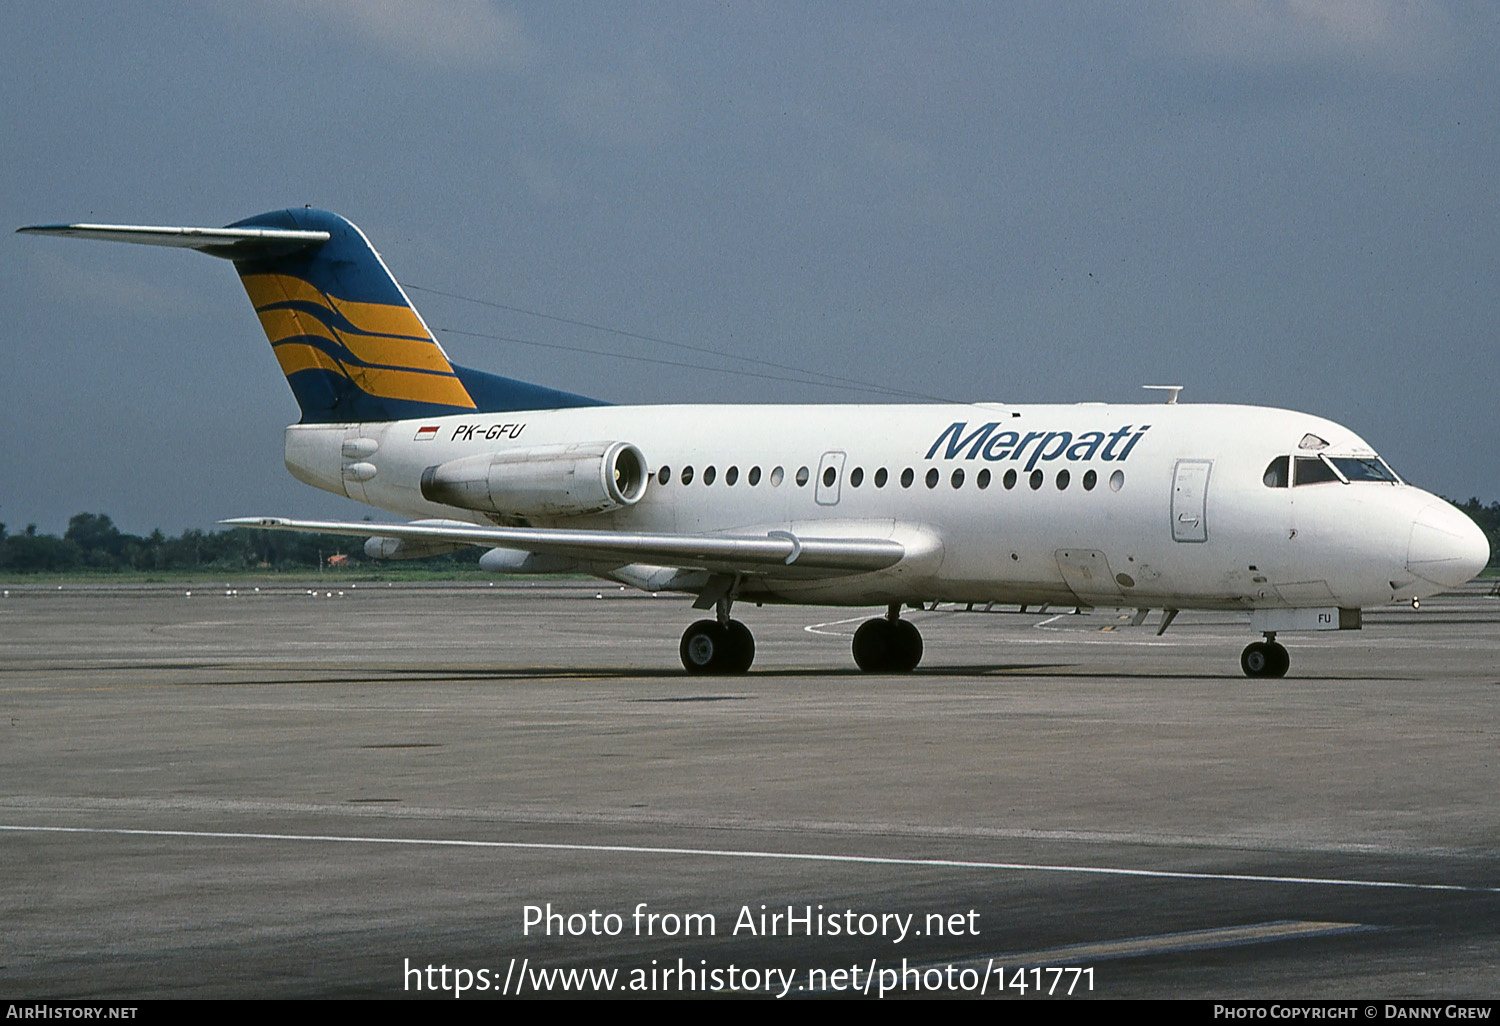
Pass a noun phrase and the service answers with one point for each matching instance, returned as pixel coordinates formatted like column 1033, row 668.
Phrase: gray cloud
column 1389, row 35
column 469, row 33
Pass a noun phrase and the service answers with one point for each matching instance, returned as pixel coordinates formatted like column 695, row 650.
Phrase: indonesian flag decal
column 427, row 433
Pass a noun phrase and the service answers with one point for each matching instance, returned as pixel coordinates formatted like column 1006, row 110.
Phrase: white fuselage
column 1161, row 506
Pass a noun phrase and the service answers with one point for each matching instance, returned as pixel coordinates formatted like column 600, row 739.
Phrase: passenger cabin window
column 1277, row 473
column 1311, row 470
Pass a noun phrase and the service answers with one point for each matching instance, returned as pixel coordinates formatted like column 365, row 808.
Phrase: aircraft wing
column 768, row 553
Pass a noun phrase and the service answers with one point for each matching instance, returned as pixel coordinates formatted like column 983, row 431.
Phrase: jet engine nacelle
column 545, row 481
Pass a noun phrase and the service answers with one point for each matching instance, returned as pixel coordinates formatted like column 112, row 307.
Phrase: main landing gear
column 711, row 647
column 1265, row 658
column 721, row 646
column 888, row 644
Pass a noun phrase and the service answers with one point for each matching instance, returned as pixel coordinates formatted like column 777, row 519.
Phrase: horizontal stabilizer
column 229, row 243
column 782, row 552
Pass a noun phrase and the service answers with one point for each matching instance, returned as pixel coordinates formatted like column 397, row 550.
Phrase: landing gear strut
column 720, row 647
column 1265, row 658
column 888, row 644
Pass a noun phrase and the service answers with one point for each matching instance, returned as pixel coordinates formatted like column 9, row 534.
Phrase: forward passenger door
column 1190, row 500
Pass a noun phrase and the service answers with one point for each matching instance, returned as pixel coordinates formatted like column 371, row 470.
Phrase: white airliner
column 1291, row 518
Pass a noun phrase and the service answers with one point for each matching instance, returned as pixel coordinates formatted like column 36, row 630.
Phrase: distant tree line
column 93, row 542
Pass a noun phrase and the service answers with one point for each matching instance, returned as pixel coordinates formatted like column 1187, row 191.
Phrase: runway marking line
column 784, row 856
column 1171, row 943
column 813, row 628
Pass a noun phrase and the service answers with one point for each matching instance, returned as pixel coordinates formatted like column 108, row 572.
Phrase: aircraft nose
column 1446, row 548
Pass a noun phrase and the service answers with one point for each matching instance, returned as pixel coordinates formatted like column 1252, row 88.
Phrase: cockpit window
column 1277, row 473
column 1343, row 469
column 1311, row 470
column 1358, row 469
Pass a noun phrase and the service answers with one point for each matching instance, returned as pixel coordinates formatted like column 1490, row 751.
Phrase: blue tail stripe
column 495, row 394
column 328, row 398
column 339, row 267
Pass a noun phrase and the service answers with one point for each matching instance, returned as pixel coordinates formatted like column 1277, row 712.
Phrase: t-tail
column 352, row 346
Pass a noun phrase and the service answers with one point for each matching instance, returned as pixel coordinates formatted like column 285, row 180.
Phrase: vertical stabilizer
column 352, row 346
column 350, row 343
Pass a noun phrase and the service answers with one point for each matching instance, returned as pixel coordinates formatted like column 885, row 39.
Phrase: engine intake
column 544, row 481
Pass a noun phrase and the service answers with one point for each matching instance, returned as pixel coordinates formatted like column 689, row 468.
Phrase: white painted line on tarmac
column 817, row 628
column 774, row 856
column 1171, row 943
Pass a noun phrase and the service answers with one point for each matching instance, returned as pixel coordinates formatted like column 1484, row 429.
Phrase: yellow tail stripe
column 418, row 351
column 265, row 289
column 374, row 318
column 419, row 388
column 296, row 356
column 281, row 323
column 377, row 381
column 396, row 352
column 381, row 318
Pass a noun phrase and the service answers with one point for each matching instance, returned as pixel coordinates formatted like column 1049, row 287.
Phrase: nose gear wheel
column 1265, row 659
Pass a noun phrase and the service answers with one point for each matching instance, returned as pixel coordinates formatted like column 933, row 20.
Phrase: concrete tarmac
column 281, row 794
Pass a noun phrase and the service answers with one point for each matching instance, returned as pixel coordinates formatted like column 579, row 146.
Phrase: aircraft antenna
column 1171, row 390
column 804, row 375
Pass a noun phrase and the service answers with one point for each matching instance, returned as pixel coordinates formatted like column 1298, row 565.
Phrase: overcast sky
column 1292, row 203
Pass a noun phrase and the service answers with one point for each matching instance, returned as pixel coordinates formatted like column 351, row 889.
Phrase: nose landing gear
column 1265, row 658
